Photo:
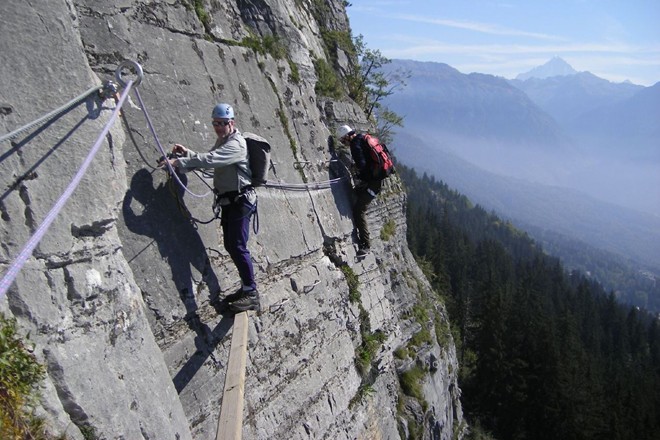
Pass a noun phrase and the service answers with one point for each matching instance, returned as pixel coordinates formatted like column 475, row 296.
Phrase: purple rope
column 22, row 257
column 162, row 150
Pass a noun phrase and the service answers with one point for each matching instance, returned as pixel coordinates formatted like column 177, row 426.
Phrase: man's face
column 223, row 127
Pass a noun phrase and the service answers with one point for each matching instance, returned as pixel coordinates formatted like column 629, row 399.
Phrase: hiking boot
column 363, row 251
column 240, row 293
column 248, row 301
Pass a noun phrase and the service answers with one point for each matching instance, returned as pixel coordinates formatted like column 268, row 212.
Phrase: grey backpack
column 259, row 152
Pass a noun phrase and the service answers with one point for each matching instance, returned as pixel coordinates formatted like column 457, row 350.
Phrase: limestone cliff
column 116, row 296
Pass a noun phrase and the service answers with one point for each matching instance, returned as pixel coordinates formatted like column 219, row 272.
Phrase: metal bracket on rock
column 309, row 288
column 302, row 164
column 109, row 90
column 135, row 67
column 278, row 306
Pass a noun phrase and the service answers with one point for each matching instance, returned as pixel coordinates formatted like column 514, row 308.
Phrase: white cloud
column 415, row 47
column 485, row 28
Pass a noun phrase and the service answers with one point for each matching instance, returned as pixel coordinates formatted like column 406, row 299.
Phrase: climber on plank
column 232, row 181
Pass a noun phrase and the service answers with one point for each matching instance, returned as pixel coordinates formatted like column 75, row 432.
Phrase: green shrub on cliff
column 19, row 374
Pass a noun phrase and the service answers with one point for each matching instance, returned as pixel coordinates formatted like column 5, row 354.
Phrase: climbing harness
column 220, row 200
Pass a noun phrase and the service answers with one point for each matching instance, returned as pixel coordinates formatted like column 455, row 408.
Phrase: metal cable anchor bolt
column 132, row 65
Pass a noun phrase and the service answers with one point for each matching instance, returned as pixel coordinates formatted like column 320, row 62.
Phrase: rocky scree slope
column 116, row 297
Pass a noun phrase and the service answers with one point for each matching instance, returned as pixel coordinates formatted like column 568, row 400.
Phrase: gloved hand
column 179, row 150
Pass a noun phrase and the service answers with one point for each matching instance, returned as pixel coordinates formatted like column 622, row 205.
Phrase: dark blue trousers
column 235, row 223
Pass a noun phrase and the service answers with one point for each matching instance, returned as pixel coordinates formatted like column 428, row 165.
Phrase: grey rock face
column 117, row 296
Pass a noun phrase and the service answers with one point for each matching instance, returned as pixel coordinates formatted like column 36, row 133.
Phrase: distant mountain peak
column 555, row 67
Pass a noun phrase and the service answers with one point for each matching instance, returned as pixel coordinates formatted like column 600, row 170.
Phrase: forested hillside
column 631, row 284
column 544, row 354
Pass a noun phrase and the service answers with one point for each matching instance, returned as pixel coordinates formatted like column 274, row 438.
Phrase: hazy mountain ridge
column 598, row 114
column 485, row 106
column 498, row 127
column 567, row 97
column 604, row 225
column 546, row 212
column 633, row 122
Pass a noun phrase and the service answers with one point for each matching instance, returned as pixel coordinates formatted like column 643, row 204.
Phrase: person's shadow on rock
column 340, row 162
column 179, row 243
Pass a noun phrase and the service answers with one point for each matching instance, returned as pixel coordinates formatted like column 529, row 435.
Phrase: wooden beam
column 230, row 423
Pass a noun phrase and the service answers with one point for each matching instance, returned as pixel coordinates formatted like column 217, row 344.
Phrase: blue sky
column 614, row 39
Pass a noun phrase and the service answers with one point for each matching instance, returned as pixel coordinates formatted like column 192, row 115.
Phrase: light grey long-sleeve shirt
column 229, row 160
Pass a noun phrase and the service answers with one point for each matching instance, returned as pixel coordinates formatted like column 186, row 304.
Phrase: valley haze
column 552, row 149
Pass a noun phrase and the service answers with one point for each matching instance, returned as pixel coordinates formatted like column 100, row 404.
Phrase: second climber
column 366, row 189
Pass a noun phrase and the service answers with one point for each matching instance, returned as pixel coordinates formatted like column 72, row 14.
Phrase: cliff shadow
column 93, row 107
column 166, row 220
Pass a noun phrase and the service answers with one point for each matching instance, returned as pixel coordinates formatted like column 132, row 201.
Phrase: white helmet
column 343, row 131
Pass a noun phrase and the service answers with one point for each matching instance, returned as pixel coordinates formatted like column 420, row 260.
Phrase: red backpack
column 381, row 161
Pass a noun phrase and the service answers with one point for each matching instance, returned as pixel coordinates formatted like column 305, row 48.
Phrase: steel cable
column 325, row 184
column 51, row 115
column 27, row 250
